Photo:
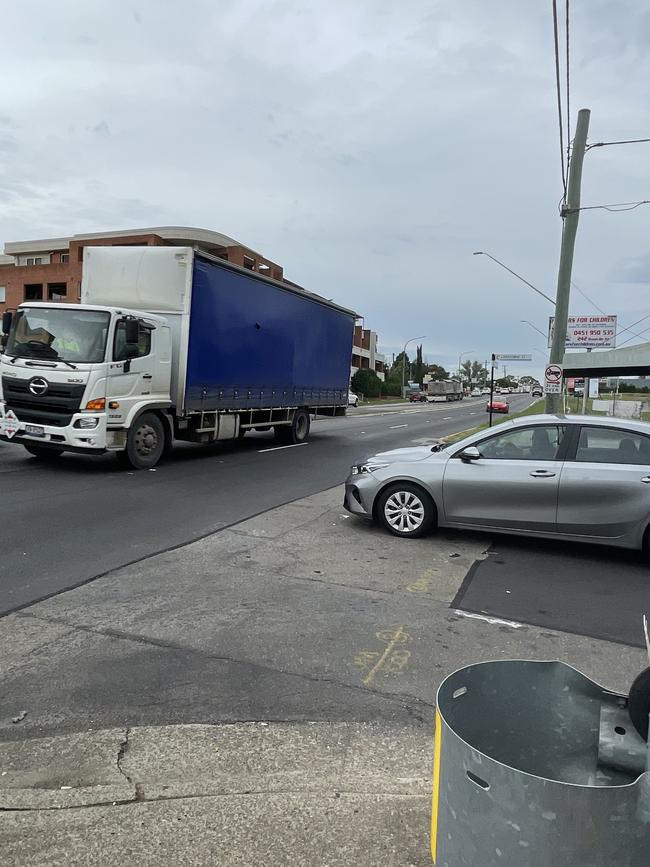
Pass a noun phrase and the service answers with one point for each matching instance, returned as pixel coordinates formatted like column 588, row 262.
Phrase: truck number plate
column 34, row 430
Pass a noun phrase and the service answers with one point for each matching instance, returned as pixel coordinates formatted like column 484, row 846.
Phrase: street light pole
column 514, row 274
column 538, row 330
column 410, row 340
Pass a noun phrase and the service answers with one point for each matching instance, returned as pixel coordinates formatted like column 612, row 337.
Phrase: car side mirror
column 7, row 319
column 471, row 453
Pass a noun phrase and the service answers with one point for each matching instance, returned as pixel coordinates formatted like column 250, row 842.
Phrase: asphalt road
column 64, row 524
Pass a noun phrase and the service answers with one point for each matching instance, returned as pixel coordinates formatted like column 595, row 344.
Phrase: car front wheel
column 406, row 510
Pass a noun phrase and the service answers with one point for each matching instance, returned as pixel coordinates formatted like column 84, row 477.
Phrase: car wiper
column 69, row 363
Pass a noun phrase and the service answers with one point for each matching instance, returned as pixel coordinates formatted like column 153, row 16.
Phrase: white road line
column 395, row 426
column 447, row 417
column 495, row 621
column 279, row 448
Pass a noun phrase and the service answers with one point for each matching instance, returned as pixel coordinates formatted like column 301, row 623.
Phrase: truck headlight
column 86, row 423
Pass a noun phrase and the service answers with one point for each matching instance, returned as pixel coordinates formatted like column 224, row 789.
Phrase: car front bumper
column 355, row 500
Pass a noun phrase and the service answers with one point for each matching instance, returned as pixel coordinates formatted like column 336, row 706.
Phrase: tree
column 473, row 372
column 395, row 372
column 366, row 382
column 437, row 372
column 417, row 367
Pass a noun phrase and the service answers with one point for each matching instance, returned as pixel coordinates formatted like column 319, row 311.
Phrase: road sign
column 587, row 332
column 552, row 379
column 509, row 356
column 9, row 424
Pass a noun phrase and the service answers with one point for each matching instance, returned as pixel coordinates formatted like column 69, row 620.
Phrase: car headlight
column 359, row 469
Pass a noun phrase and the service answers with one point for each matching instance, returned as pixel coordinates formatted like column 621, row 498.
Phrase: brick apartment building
column 50, row 269
column 365, row 354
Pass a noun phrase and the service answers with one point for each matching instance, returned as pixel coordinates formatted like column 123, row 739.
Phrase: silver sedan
column 585, row 478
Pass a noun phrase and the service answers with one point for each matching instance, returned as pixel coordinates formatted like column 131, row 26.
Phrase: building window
column 65, row 258
column 33, row 291
column 80, row 254
column 34, row 260
column 56, row 291
column 249, row 263
column 3, row 294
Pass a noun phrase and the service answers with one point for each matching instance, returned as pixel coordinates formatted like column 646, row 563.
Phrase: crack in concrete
column 120, row 635
column 124, row 746
column 333, row 793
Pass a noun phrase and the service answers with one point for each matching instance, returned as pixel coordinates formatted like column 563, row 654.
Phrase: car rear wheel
column 406, row 510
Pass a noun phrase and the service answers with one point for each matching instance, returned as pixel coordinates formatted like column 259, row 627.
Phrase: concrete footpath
column 263, row 696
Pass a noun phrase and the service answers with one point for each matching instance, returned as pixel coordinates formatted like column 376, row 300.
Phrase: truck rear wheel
column 296, row 432
column 145, row 442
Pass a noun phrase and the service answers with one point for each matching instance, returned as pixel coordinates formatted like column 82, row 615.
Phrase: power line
column 614, row 207
column 568, row 104
column 559, row 93
column 643, row 330
column 600, row 310
column 604, row 144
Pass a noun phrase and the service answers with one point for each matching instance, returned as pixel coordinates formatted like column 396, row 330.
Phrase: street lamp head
column 478, row 253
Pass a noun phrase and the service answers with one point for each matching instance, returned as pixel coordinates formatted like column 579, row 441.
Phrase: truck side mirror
column 7, row 319
column 131, row 331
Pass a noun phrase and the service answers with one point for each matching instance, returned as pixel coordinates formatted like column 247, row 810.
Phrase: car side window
column 539, row 443
column 604, row 445
column 119, row 343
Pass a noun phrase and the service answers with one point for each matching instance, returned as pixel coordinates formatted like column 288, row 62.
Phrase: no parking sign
column 553, row 379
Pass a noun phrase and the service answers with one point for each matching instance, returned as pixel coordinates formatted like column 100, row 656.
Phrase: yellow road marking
column 393, row 638
column 437, row 753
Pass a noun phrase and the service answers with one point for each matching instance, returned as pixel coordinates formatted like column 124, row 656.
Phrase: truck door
column 129, row 379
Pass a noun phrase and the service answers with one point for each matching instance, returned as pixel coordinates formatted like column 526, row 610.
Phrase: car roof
column 599, row 420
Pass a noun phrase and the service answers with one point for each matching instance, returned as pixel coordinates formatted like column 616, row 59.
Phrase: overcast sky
column 369, row 147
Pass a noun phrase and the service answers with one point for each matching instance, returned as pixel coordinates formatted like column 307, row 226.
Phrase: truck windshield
column 59, row 335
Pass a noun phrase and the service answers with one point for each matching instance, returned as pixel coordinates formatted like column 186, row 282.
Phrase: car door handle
column 542, row 474
column 646, row 479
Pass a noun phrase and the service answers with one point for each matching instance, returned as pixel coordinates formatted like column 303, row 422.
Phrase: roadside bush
column 366, row 382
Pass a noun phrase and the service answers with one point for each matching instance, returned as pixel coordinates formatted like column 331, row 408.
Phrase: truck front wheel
column 145, row 442
column 296, row 432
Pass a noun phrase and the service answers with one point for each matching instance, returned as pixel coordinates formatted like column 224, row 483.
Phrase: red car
column 418, row 396
column 498, row 406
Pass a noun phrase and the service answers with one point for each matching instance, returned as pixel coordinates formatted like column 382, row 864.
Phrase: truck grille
column 55, row 407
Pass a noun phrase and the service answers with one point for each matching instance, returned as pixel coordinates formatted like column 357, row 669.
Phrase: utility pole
column 571, row 215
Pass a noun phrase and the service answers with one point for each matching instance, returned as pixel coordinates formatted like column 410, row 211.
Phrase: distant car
column 537, row 391
column 476, row 392
column 583, row 478
column 485, row 390
column 498, row 406
column 353, row 400
column 417, row 397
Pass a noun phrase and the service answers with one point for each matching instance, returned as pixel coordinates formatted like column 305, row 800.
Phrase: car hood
column 407, row 455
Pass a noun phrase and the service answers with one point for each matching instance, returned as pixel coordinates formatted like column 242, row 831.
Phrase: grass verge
column 533, row 409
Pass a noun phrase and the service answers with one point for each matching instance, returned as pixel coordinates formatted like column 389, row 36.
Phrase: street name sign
column 509, row 356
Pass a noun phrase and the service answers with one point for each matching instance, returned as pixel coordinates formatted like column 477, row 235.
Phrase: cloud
column 369, row 148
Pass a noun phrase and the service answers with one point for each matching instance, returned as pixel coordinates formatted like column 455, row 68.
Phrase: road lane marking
column 495, row 621
column 395, row 426
column 279, row 448
column 391, row 661
column 447, row 417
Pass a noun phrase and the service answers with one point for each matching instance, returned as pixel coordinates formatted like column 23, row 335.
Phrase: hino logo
column 38, row 386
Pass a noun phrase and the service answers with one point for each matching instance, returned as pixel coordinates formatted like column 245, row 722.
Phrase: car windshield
column 57, row 334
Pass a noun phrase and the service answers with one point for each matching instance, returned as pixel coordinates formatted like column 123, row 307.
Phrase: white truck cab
column 73, row 378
